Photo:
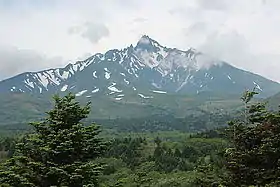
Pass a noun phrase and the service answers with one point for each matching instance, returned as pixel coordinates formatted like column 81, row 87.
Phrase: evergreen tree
column 254, row 158
column 60, row 152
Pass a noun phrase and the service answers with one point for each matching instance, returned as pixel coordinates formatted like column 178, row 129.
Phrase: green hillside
column 162, row 112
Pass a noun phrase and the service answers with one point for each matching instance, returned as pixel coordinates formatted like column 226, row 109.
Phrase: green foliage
column 146, row 152
column 163, row 161
column 128, row 149
column 254, row 158
column 60, row 152
column 248, row 95
column 7, row 146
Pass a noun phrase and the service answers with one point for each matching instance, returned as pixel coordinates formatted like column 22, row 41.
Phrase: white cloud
column 15, row 61
column 214, row 4
column 91, row 31
column 244, row 33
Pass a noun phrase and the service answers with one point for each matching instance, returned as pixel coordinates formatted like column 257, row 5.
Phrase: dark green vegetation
column 254, row 157
column 60, row 151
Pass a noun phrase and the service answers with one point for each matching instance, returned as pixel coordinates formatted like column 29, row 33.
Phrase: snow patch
column 48, row 77
column 64, row 88
column 95, row 90
column 257, row 86
column 94, row 74
column 185, row 81
column 81, row 93
column 158, row 91
column 65, row 74
column 118, row 98
column 43, row 80
column 145, row 97
column 126, row 81
column 30, row 84
column 107, row 75
column 113, row 88
column 82, row 66
column 75, row 67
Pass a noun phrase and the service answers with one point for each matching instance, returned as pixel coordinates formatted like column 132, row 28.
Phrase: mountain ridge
column 147, row 67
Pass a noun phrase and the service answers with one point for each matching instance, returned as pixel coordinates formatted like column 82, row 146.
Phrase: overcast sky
column 39, row 34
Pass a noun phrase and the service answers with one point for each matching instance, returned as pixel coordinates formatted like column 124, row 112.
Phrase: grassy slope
column 22, row 108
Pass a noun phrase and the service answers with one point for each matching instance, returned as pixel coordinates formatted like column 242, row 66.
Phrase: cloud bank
column 243, row 33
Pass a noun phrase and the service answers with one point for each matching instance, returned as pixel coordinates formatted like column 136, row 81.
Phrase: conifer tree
column 254, row 158
column 60, row 152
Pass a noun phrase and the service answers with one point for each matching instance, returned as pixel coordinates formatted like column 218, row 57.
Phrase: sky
column 40, row 34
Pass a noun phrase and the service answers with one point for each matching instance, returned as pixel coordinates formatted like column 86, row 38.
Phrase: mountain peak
column 143, row 70
column 145, row 39
column 148, row 44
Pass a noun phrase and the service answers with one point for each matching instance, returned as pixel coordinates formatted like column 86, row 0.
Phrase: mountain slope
column 273, row 102
column 17, row 109
column 143, row 71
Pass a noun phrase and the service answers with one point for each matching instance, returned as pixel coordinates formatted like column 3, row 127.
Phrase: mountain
column 143, row 71
column 273, row 102
column 139, row 81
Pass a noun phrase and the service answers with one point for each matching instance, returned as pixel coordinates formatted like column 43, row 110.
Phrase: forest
column 65, row 150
